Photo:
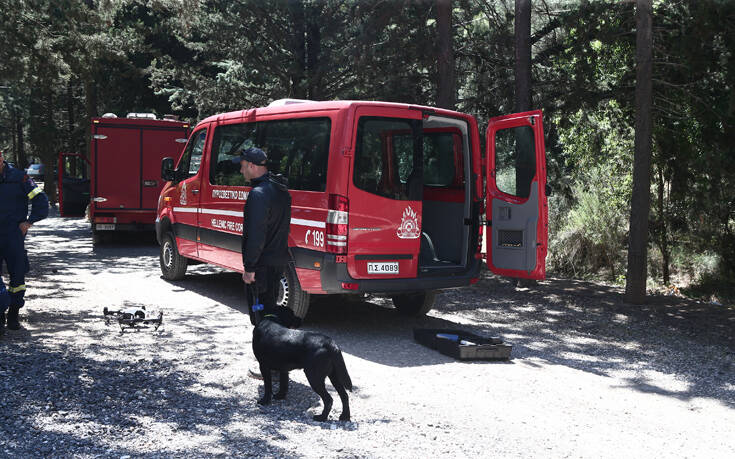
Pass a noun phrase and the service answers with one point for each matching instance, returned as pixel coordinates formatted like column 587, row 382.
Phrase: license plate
column 383, row 268
column 105, row 227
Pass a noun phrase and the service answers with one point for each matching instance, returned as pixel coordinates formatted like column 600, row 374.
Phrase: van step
column 463, row 345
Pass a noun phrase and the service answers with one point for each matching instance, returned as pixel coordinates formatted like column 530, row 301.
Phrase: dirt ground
column 589, row 376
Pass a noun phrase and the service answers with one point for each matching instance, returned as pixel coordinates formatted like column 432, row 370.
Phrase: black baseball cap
column 253, row 155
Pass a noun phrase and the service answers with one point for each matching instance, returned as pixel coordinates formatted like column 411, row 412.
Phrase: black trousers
column 265, row 288
column 15, row 258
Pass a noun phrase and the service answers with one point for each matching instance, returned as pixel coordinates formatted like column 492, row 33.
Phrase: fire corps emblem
column 182, row 195
column 410, row 227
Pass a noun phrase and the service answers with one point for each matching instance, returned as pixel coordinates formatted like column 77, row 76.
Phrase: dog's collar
column 270, row 315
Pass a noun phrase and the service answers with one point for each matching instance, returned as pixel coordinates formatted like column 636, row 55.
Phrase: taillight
column 337, row 221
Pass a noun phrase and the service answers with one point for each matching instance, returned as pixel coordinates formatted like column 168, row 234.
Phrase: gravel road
column 589, row 376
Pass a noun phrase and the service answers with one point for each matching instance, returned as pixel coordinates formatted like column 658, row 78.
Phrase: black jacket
column 16, row 191
column 267, row 223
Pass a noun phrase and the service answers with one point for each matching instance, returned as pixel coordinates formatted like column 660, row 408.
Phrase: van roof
column 296, row 106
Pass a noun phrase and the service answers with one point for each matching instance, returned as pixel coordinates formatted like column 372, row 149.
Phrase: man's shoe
column 13, row 323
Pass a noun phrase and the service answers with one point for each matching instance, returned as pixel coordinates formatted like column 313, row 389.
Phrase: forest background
column 64, row 61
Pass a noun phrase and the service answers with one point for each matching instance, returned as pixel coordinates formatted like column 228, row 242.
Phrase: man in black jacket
column 266, row 226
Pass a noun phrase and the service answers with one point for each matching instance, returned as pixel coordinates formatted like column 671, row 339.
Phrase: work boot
column 13, row 323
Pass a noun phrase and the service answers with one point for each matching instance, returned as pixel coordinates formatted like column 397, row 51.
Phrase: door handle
column 194, row 191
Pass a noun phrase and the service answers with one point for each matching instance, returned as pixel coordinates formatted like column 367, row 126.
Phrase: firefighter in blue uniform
column 16, row 191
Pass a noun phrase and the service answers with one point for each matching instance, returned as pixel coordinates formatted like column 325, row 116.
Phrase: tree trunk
column 313, row 51
column 70, row 116
column 297, row 71
column 49, row 153
column 522, row 100
column 20, row 154
column 525, row 160
column 446, row 84
column 663, row 234
column 14, row 122
column 635, row 284
column 90, row 100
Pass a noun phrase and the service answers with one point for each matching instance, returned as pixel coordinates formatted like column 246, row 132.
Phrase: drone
column 132, row 317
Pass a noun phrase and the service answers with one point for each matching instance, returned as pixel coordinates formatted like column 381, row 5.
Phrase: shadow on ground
column 581, row 325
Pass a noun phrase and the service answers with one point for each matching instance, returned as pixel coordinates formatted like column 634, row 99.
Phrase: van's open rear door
column 517, row 210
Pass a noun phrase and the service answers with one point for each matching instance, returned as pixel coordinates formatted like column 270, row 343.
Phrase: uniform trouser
column 265, row 288
column 267, row 280
column 13, row 256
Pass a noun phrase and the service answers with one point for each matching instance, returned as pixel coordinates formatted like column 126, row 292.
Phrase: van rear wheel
column 290, row 294
column 173, row 265
column 100, row 237
column 414, row 304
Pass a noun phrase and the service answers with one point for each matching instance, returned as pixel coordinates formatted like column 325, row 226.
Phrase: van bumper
column 333, row 274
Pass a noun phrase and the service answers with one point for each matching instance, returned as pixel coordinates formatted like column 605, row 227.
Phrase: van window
column 384, row 157
column 515, row 160
column 296, row 148
column 192, row 157
column 439, row 152
column 228, row 141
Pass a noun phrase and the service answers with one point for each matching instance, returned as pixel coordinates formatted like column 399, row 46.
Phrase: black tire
column 290, row 294
column 101, row 237
column 414, row 304
column 173, row 265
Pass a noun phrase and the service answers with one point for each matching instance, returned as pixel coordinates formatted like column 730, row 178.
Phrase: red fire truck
column 125, row 180
column 387, row 198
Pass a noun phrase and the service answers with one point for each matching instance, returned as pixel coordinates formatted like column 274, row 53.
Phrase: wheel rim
column 283, row 292
column 168, row 255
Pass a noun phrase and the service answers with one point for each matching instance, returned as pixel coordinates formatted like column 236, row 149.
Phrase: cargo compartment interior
column 446, row 196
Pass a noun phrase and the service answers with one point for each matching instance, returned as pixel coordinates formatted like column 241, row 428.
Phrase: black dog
column 282, row 349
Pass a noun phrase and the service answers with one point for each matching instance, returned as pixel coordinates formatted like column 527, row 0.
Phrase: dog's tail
column 341, row 369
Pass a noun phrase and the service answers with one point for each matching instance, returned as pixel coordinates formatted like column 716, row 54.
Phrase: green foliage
column 64, row 61
column 590, row 235
column 589, row 222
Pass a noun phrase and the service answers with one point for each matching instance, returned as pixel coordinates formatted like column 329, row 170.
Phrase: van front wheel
column 414, row 304
column 290, row 294
column 173, row 265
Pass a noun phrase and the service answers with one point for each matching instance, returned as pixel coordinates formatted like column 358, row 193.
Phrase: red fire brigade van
column 387, row 198
column 125, row 180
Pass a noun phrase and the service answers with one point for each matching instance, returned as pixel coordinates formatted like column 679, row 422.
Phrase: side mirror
column 167, row 169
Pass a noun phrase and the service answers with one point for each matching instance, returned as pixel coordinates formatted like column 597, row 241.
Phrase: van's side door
column 188, row 190
column 517, row 209
column 224, row 191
